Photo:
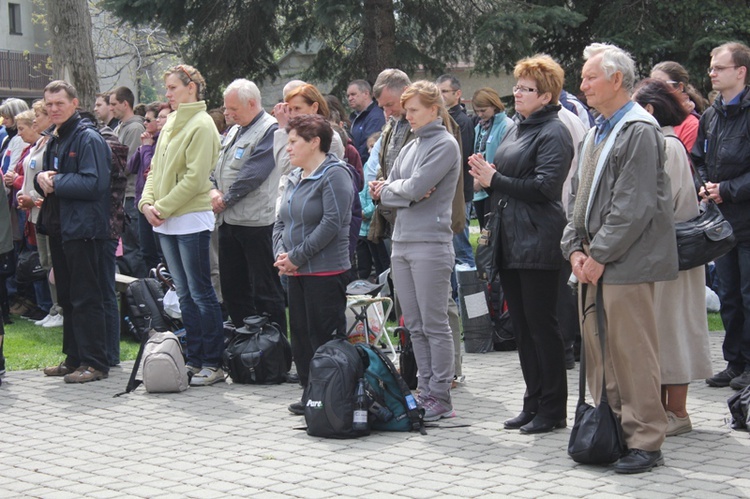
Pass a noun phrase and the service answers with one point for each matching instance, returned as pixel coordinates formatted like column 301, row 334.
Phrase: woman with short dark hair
column 311, row 240
column 680, row 305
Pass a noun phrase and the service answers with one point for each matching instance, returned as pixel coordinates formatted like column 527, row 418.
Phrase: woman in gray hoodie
column 421, row 187
column 311, row 240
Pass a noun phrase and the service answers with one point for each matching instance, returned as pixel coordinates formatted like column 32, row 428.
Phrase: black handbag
column 258, row 353
column 596, row 437
column 704, row 238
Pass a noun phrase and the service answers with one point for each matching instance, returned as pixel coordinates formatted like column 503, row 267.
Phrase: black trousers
column 532, row 303
column 317, row 311
column 80, row 292
column 250, row 283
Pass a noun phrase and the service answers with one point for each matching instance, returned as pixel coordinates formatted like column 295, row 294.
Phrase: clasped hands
column 585, row 268
column 481, row 170
column 285, row 265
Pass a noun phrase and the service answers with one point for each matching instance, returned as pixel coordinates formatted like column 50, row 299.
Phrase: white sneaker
column 55, row 321
column 207, row 376
column 43, row 321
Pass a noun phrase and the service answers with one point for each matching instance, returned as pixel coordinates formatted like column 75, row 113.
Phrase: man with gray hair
column 246, row 181
column 620, row 239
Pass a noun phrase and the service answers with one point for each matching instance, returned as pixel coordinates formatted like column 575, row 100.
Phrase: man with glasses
column 722, row 155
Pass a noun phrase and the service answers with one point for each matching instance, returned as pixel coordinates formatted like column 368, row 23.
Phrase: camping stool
column 361, row 295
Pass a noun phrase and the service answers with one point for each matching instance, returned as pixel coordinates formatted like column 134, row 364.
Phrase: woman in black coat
column 526, row 185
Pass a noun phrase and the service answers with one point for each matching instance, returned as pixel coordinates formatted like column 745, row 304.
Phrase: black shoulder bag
column 706, row 237
column 596, row 437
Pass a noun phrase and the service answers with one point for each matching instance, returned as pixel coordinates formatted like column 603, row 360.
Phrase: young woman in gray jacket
column 421, row 187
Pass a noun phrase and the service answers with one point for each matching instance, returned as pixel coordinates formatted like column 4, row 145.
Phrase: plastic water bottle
column 360, row 410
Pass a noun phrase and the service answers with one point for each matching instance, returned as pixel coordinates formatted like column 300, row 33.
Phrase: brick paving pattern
column 70, row 441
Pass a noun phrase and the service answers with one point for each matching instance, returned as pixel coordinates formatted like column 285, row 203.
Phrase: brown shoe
column 59, row 370
column 84, row 374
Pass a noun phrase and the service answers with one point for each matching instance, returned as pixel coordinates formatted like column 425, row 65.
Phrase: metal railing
column 24, row 70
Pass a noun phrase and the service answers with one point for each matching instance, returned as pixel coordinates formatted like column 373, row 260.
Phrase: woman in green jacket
column 176, row 203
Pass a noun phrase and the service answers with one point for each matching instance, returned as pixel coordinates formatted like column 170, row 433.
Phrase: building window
column 14, row 15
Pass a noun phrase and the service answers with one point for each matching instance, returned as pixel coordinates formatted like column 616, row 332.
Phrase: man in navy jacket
column 75, row 216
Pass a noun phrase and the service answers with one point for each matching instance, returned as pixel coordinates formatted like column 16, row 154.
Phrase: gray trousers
column 421, row 275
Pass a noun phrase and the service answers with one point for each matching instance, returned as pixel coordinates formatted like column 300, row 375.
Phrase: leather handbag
column 707, row 236
column 597, row 436
column 704, row 238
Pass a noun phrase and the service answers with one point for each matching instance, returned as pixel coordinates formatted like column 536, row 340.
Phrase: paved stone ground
column 60, row 441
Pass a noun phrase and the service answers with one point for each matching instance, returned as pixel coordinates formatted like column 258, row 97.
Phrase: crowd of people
column 253, row 212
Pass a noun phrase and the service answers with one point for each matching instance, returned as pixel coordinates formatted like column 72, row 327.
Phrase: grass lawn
column 31, row 347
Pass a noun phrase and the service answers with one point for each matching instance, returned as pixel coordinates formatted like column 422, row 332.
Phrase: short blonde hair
column 545, row 71
column 26, row 117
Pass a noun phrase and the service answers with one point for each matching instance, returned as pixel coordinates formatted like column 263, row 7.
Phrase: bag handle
column 697, row 179
column 599, row 304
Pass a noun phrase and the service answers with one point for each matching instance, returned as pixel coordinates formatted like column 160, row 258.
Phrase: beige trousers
column 631, row 360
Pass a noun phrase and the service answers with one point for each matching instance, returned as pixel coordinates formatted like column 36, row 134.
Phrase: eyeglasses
column 448, row 91
column 675, row 84
column 523, row 90
column 149, row 120
column 719, row 69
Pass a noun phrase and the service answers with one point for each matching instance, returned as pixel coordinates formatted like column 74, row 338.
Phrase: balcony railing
column 24, row 70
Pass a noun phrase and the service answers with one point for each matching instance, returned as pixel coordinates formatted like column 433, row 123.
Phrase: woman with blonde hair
column 421, row 186
column 176, row 203
column 526, row 180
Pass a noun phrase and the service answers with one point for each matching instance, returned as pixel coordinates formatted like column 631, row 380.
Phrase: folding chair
column 366, row 306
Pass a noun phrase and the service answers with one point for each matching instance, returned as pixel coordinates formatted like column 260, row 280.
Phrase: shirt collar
column 605, row 125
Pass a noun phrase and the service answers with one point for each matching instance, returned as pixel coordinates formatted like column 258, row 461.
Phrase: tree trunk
column 73, row 59
column 379, row 38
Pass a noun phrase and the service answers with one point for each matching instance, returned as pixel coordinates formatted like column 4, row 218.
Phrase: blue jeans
column 150, row 252
column 461, row 244
column 733, row 273
column 188, row 262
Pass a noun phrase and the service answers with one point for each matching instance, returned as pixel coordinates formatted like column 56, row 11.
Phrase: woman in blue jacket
column 493, row 126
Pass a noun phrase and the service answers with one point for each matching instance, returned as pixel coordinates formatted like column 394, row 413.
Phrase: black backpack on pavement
column 145, row 308
column 330, row 398
column 258, row 353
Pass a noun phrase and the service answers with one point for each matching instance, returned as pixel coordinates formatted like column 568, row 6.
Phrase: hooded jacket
column 314, row 217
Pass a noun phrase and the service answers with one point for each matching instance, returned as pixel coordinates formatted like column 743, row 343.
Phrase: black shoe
column 570, row 359
column 2, row 365
column 35, row 315
column 741, row 381
column 519, row 421
column 723, row 378
column 297, row 408
column 639, row 461
column 292, row 377
column 540, row 424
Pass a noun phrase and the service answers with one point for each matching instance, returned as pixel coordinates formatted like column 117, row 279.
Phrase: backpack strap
column 132, row 382
column 413, row 411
